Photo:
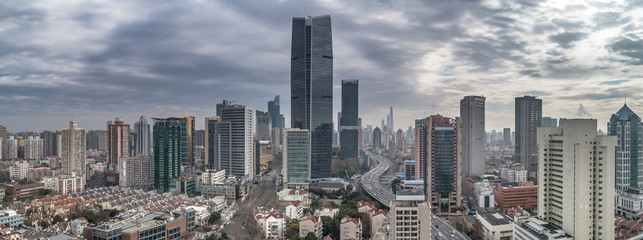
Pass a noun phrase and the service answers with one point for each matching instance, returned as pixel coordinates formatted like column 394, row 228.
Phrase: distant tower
column 391, row 126
column 118, row 145
column 472, row 112
column 349, row 127
column 143, row 138
column 528, row 119
column 311, row 88
column 73, row 140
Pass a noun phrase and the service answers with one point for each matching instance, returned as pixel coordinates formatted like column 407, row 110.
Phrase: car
column 440, row 234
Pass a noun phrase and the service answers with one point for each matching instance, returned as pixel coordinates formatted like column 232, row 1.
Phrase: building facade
column 349, row 127
column 311, row 91
column 495, row 226
column 511, row 195
column 577, row 176
column 34, row 147
column 67, row 184
column 73, row 149
column 167, row 151
column 472, row 114
column 233, row 141
column 377, row 138
column 187, row 140
column 627, row 128
column 410, row 217
column 118, row 143
column 264, row 123
column 438, row 160
column 136, row 172
column 143, row 137
column 484, row 195
column 296, row 158
column 528, row 118
column 350, row 228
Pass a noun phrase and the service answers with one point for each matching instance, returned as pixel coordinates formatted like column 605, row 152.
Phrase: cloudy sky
column 96, row 60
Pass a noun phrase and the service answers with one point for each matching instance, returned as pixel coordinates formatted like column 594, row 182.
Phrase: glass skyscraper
column 627, row 128
column 311, row 89
column 349, row 125
column 167, row 144
column 529, row 112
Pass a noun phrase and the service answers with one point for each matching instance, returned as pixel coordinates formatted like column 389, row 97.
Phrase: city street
column 371, row 180
column 440, row 229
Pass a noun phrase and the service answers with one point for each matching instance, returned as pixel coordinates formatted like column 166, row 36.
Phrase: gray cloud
column 565, row 40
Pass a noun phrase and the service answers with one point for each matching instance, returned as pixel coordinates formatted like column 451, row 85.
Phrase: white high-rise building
column 472, row 115
column 233, row 141
column 18, row 171
column 410, row 217
column 73, row 149
column 212, row 177
column 136, row 172
column 10, row 148
column 143, row 137
column 33, row 148
column 576, row 179
column 296, row 155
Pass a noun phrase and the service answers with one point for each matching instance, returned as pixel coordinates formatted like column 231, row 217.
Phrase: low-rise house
column 495, row 226
column 310, row 224
column 77, row 226
column 272, row 224
column 364, row 207
column 378, row 219
column 295, row 210
column 350, row 228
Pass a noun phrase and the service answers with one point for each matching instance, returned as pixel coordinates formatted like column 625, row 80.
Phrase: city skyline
column 119, row 65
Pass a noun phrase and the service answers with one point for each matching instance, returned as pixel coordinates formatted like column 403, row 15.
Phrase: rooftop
column 496, row 219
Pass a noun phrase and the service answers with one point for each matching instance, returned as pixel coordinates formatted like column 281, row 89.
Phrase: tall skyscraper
column 438, row 160
column 118, row 145
column 50, row 141
column 143, row 137
column 627, row 128
column 311, row 88
column 10, row 148
column 73, row 149
column 528, row 119
column 576, row 179
column 187, row 140
column 199, row 137
column 349, row 126
column 377, row 138
column 264, row 123
column 506, row 137
column 549, row 122
column 210, row 134
column 472, row 112
column 3, row 133
column 167, row 141
column 33, row 147
column 391, row 126
column 296, row 170
column 233, row 141
column 274, row 109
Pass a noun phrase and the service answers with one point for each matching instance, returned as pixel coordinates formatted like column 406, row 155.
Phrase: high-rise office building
column 50, row 141
column 438, row 160
column 73, row 140
column 296, row 170
column 311, row 88
column 187, row 140
column 528, row 119
column 10, row 148
column 167, row 141
column 549, row 122
column 33, row 147
column 199, row 137
column 233, row 141
column 92, row 140
column 349, row 127
column 391, row 127
column 506, row 136
column 21, row 147
column 377, row 138
column 118, row 145
column 472, row 113
column 143, row 137
column 274, row 108
column 264, row 125
column 410, row 216
column 3, row 133
column 627, row 128
column 576, row 179
column 210, row 134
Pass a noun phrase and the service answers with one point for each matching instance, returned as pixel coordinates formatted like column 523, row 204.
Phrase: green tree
column 43, row 191
column 349, row 187
column 8, row 198
column 44, row 224
column 394, row 184
column 213, row 236
column 90, row 216
column 224, row 236
column 331, row 227
column 214, row 218
column 311, row 236
column 58, row 219
column 28, row 222
column 351, row 212
column 292, row 229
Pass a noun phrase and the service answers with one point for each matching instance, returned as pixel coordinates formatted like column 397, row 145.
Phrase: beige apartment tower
column 410, row 217
column 73, row 149
column 118, row 143
column 576, row 178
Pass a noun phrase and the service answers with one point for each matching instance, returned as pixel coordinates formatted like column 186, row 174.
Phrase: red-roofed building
column 295, row 210
column 378, row 218
column 350, row 228
column 272, row 224
column 310, row 224
column 364, row 207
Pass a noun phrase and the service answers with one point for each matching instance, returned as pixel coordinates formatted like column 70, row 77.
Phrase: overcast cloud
column 96, row 60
